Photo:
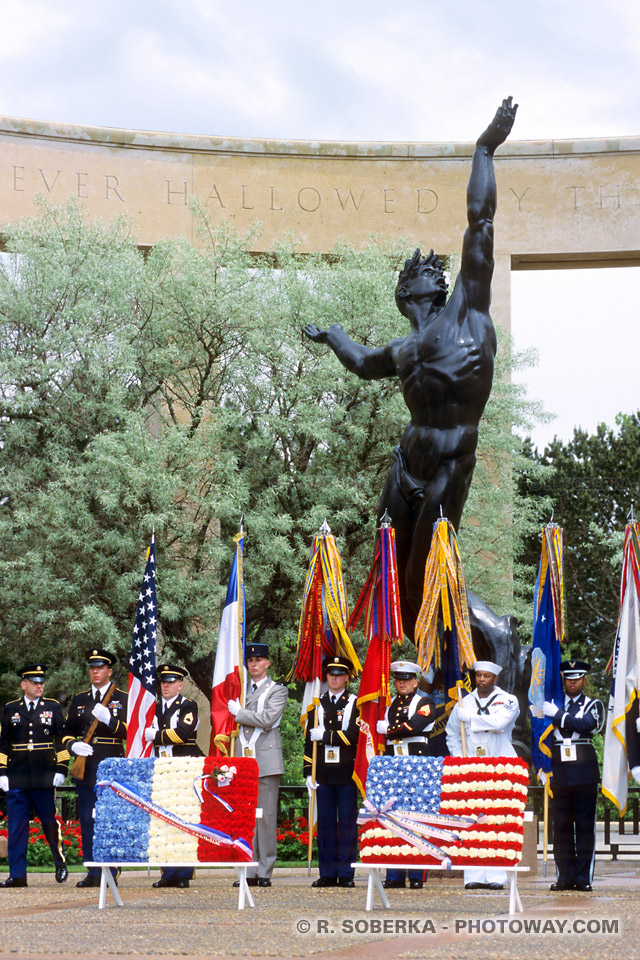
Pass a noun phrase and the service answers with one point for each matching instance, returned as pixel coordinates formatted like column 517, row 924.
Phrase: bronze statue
column 445, row 367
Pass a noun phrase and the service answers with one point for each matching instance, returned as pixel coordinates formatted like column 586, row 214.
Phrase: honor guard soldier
column 409, row 721
column 259, row 737
column 489, row 715
column 108, row 740
column 33, row 762
column 575, row 778
column 334, row 726
column 632, row 733
column 173, row 734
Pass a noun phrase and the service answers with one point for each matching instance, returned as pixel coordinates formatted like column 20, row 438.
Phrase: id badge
column 481, row 751
column 567, row 751
column 331, row 754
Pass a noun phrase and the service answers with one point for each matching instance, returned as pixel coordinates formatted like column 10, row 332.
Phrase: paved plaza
column 292, row 920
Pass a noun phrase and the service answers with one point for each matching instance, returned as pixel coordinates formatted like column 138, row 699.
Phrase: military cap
column 33, row 671
column 101, row 658
column 488, row 666
column 169, row 672
column 256, row 650
column 405, row 670
column 337, row 665
column 574, row 669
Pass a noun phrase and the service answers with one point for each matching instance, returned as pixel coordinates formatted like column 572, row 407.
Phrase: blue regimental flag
column 548, row 634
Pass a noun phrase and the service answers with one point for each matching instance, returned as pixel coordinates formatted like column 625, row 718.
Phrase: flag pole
column 312, row 801
column 545, row 834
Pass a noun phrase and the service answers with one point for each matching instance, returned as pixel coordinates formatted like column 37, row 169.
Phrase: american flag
column 142, row 663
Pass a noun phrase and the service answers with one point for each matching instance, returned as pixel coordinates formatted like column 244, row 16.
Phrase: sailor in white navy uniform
column 334, row 726
column 575, row 778
column 173, row 734
column 408, row 722
column 489, row 715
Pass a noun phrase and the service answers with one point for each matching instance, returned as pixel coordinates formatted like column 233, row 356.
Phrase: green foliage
column 177, row 390
column 594, row 481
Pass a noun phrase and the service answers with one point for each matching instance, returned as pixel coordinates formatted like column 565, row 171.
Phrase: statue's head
column 423, row 278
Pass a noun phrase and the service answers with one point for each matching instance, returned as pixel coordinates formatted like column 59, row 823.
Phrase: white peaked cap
column 488, row 666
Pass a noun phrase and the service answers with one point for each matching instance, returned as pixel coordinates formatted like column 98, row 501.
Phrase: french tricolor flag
column 228, row 671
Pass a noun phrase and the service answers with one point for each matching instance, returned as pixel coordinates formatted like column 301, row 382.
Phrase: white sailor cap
column 488, row 666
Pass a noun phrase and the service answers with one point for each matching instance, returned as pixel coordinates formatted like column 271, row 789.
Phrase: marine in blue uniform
column 632, row 735
column 334, row 726
column 575, row 779
column 407, row 725
column 33, row 763
column 109, row 740
column 174, row 735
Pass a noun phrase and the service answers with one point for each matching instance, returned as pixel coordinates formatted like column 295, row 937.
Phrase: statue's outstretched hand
column 318, row 336
column 500, row 127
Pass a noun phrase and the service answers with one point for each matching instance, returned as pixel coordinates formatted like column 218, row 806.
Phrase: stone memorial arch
column 561, row 203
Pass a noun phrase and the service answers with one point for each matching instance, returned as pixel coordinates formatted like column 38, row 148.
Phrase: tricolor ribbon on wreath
column 414, row 828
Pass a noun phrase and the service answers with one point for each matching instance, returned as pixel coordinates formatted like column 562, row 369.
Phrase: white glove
column 150, row 734
column 311, row 784
column 101, row 713
column 4, row 783
column 317, row 733
column 382, row 726
column 81, row 749
column 58, row 779
column 463, row 715
column 635, row 773
column 234, row 706
column 542, row 777
column 549, row 709
column 638, row 724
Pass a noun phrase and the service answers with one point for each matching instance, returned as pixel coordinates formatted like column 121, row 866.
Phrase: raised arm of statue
column 476, row 268
column 364, row 362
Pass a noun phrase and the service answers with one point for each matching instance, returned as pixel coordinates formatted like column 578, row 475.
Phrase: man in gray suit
column 259, row 737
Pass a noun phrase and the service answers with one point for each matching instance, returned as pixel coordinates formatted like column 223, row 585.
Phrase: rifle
column 77, row 770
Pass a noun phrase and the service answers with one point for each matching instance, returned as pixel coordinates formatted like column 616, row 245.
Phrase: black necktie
column 254, row 687
column 333, row 700
column 32, row 707
column 97, row 696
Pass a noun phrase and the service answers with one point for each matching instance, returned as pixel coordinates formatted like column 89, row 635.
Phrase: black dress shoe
column 583, row 887
column 416, row 884
column 559, row 885
column 14, row 882
column 494, row 886
column 263, row 882
column 325, row 882
column 182, row 884
column 251, row 882
column 89, row 882
column 346, row 882
column 474, row 886
column 165, row 882
column 393, row 884
column 61, row 873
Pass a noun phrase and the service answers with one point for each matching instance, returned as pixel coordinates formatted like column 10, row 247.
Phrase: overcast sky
column 368, row 70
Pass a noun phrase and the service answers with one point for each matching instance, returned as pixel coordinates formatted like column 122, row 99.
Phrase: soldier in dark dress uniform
column 108, row 740
column 408, row 723
column 334, row 727
column 33, row 763
column 632, row 733
column 575, row 778
column 173, row 734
